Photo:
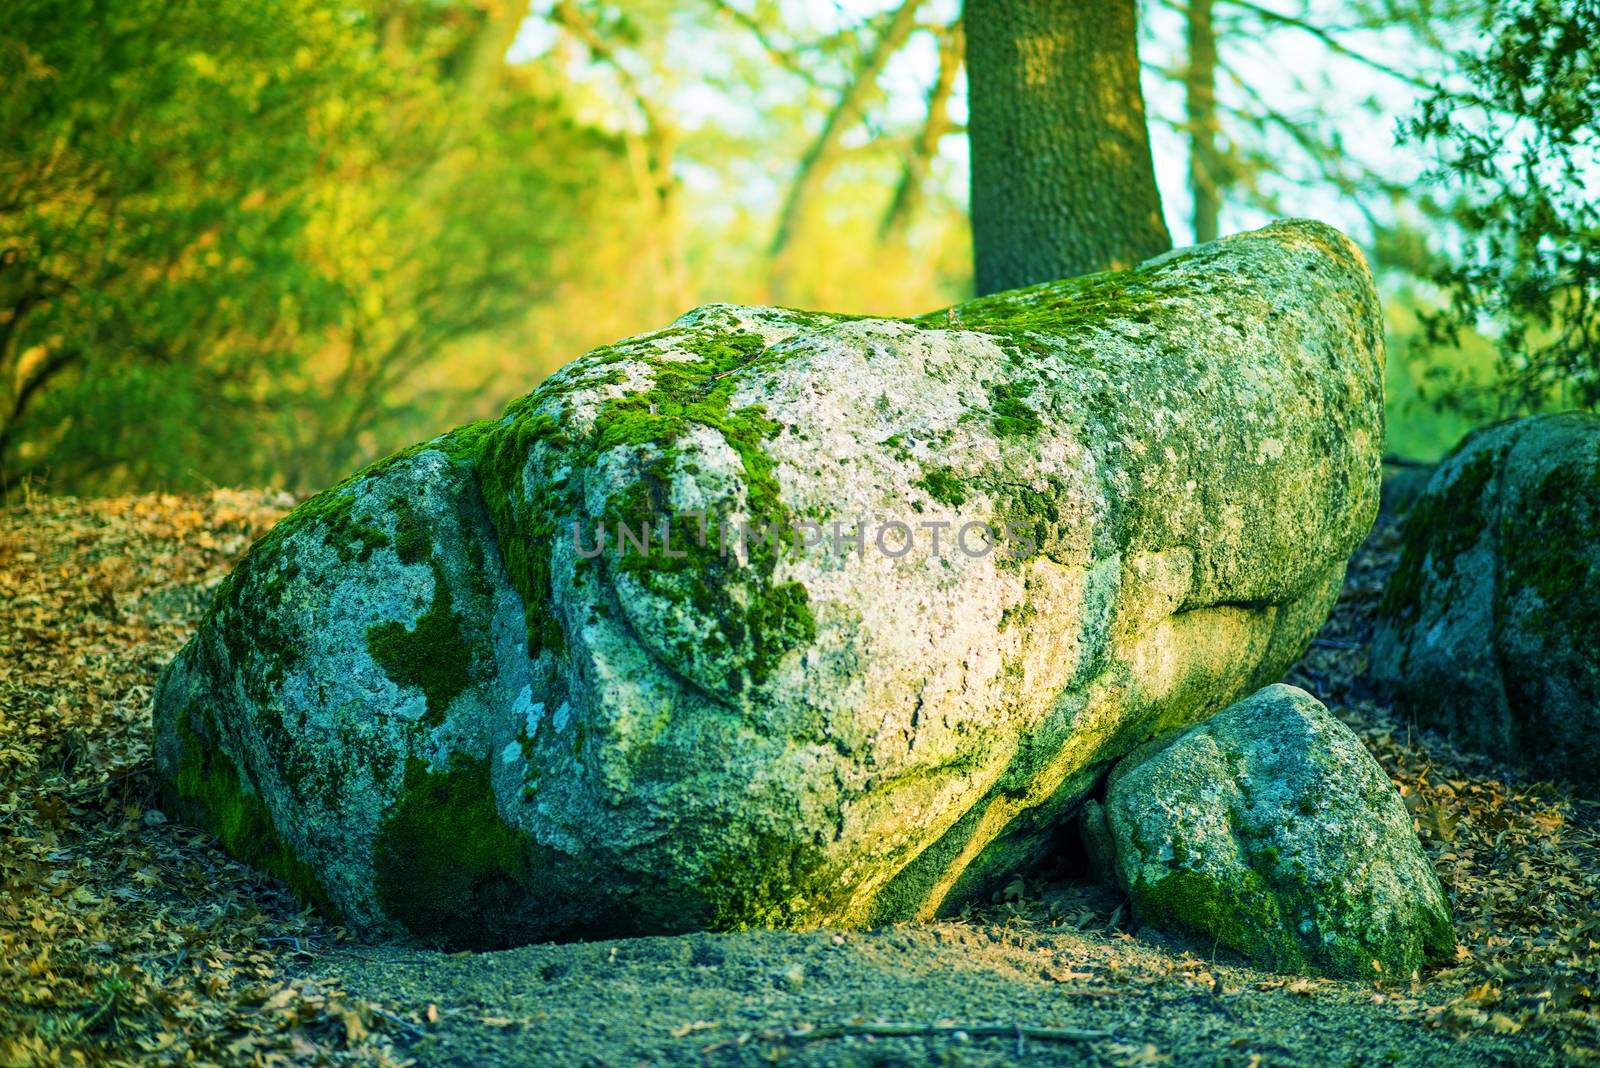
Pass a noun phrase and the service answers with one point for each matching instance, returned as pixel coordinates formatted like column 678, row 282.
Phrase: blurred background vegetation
column 262, row 243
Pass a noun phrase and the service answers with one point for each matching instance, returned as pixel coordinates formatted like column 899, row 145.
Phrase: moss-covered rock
column 475, row 728
column 1490, row 627
column 373, row 628
column 1271, row 830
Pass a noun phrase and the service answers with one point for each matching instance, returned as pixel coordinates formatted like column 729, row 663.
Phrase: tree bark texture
column 1062, row 178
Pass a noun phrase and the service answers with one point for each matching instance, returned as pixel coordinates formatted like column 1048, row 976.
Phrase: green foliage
column 1420, row 379
column 232, row 236
column 1518, row 152
column 264, row 243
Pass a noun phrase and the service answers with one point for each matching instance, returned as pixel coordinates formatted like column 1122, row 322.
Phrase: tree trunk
column 1200, row 92
column 1062, row 179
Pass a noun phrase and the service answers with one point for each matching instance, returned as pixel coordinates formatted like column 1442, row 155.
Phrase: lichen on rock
column 1271, row 830
column 669, row 735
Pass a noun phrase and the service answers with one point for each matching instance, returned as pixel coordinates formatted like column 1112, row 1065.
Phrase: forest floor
column 125, row 938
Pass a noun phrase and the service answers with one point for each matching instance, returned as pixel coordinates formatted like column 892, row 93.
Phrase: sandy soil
column 981, row 993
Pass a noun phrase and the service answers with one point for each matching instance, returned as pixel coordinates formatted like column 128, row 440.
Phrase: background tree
column 1062, row 178
column 1518, row 150
column 265, row 244
column 232, row 236
column 1304, row 97
column 911, row 190
column 1200, row 100
column 134, row 229
column 823, row 152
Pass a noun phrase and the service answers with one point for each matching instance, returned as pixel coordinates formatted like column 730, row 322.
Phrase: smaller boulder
column 1270, row 829
column 1490, row 627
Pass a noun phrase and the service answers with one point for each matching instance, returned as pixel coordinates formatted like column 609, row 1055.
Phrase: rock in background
column 1271, row 830
column 1490, row 627
column 418, row 700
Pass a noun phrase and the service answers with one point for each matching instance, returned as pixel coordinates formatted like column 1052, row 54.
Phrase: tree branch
column 51, row 367
column 657, row 132
column 1332, row 42
column 1318, row 153
column 749, row 22
column 908, row 194
column 822, row 152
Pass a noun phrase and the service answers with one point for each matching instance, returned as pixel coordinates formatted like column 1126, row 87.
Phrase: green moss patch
column 1443, row 525
column 1555, row 547
column 525, row 529
column 431, row 656
column 1012, row 416
column 209, row 792
column 1025, row 322
column 446, row 866
column 1276, row 915
column 943, row 485
column 1242, row 915
column 771, row 882
column 770, row 618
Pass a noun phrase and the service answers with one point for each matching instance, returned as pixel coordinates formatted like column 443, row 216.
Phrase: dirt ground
column 974, row 993
column 127, row 939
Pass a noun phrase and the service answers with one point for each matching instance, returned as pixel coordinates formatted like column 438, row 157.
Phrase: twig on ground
column 1335, row 643
column 909, row 1030
column 282, row 940
column 410, row 1031
column 88, row 1023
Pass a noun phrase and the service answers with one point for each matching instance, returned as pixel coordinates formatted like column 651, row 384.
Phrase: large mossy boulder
column 430, row 706
column 1270, row 829
column 1490, row 626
